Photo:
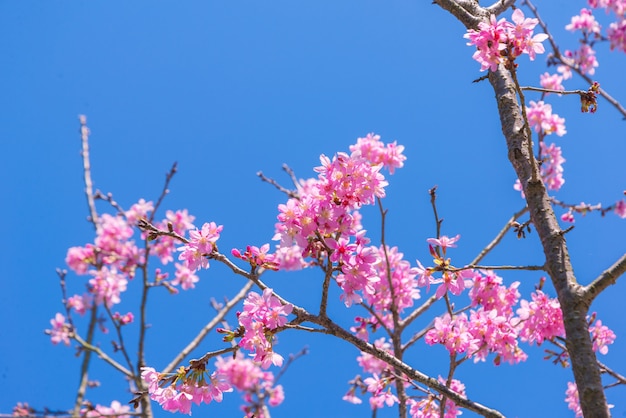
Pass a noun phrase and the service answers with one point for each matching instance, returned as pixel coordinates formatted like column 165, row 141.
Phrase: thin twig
column 479, row 267
column 91, row 348
column 499, row 236
column 165, row 191
column 542, row 90
column 417, row 312
column 291, row 175
column 291, row 193
column 122, row 346
column 84, row 134
column 207, row 328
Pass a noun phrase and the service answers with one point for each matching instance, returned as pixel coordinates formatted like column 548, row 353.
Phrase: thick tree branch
column 604, row 280
column 558, row 265
column 467, row 18
column 500, row 6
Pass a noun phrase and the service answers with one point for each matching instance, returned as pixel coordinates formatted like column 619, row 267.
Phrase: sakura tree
column 334, row 227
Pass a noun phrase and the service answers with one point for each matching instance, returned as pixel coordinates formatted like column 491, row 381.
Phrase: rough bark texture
column 571, row 295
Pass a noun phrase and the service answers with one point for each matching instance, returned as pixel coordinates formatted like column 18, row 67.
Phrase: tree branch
column 405, row 369
column 91, row 348
column 84, row 134
column 207, row 328
column 604, row 280
column 558, row 265
column 470, row 20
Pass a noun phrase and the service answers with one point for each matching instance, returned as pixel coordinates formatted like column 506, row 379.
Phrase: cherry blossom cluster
column 601, row 336
column 376, row 152
column 165, row 246
column 551, row 82
column 116, row 410
column 584, row 59
column 114, row 257
column 111, row 260
column 619, row 208
column 381, row 381
column 358, row 275
column 501, row 41
column 177, row 393
column 616, row 33
column 490, row 327
column 396, row 287
column 451, row 280
column 573, row 401
column 540, row 319
column 261, row 315
column 22, row 410
column 542, row 120
column 428, row 407
column 202, row 242
column 258, row 257
column 551, row 168
column 60, row 331
column 324, row 218
column 256, row 385
column 494, row 327
column 123, row 319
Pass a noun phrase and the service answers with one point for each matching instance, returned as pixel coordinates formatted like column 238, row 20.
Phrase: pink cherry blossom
column 116, row 410
column 616, row 6
column 138, row 211
column 256, row 385
column 552, row 166
column 617, row 35
column 444, row 242
column 80, row 303
column 60, row 331
column 490, row 40
column 541, row 118
column 376, row 152
column 184, row 277
column 584, row 59
column 540, row 319
column 493, row 38
column 107, row 286
column 572, row 399
column 258, row 257
column 568, row 216
column 451, row 281
column 584, row 22
column 262, row 314
column 124, row 319
column 551, row 81
column 601, row 336
column 80, row 259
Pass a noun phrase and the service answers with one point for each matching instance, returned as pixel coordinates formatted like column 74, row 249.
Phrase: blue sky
column 230, row 88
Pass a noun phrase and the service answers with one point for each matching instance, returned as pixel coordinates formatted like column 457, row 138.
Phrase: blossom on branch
column 501, row 41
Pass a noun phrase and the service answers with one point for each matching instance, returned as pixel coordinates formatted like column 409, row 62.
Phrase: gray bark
column 571, row 295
